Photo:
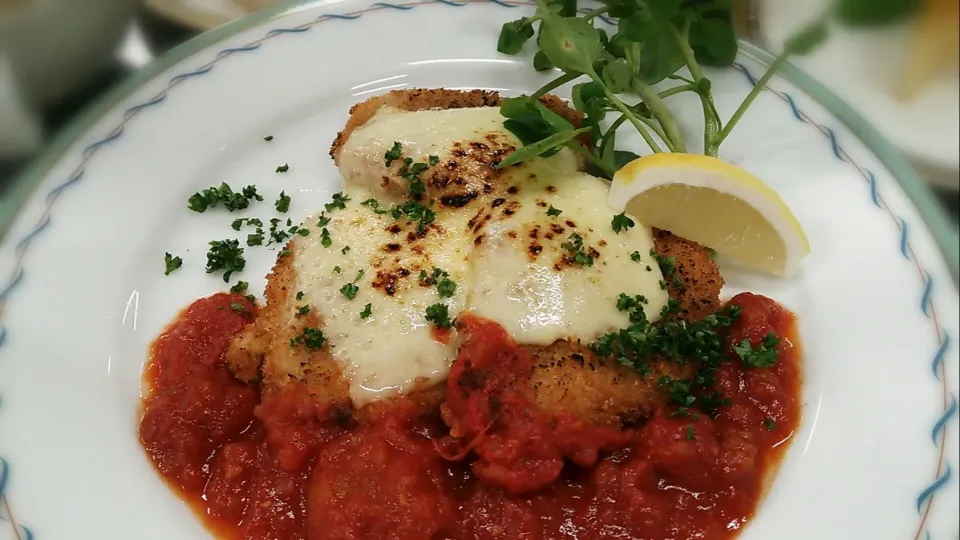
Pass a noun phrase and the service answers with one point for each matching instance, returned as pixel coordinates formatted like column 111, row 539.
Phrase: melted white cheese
column 512, row 269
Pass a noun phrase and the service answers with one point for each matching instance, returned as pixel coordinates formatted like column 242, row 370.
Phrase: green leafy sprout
column 654, row 40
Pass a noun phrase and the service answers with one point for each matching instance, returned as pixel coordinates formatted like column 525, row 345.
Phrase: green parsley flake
column 553, row 212
column 283, row 168
column 172, row 263
column 255, row 239
column 349, row 290
column 667, row 264
column 240, row 287
column 635, row 257
column 323, row 220
column 311, row 338
column 214, row 196
column 299, row 295
column 339, row 201
column 367, row 311
column 769, row 424
column 283, row 203
column 578, row 255
column 268, row 138
column 303, row 310
column 439, row 315
column 325, row 239
column 238, row 307
column 763, row 356
column 689, row 433
column 621, row 222
column 446, row 288
column 226, row 255
column 433, row 160
column 344, row 250
column 393, row 154
column 336, row 269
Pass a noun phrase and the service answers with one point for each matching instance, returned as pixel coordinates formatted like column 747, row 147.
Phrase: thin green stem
column 711, row 122
column 679, row 89
column 590, row 15
column 607, row 139
column 757, row 88
column 631, row 117
column 655, row 127
column 671, row 133
column 554, row 84
column 676, row 77
column 589, row 156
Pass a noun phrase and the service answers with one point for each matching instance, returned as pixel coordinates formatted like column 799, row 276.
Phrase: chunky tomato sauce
column 290, row 469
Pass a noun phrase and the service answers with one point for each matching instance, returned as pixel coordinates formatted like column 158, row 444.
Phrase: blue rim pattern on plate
column 924, row 501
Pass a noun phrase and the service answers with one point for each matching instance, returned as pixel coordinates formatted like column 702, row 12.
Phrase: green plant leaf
column 663, row 9
column 617, row 75
column 637, row 27
column 566, row 8
column 622, row 157
column 659, row 57
column 516, row 106
column 713, row 42
column 541, row 62
column 875, row 12
column 572, row 44
column 807, row 39
column 543, row 147
column 513, row 35
column 621, row 8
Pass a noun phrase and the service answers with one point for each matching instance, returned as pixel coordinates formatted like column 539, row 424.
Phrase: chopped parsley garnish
column 238, row 307
column 415, row 212
column 299, row 295
column 689, row 433
column 411, row 171
column 675, row 340
column 226, row 255
column 283, row 253
column 433, row 160
column 325, row 239
column 303, row 310
column 574, row 245
column 311, row 338
column 375, row 206
column 349, row 290
column 344, row 250
column 439, row 315
column 172, row 263
column 283, row 203
column 268, row 138
column 239, row 287
column 635, row 256
column 667, row 264
column 339, row 201
column 323, row 220
column 446, row 288
column 621, row 222
column 367, row 311
column 211, row 197
column 763, row 356
column 769, row 424
column 277, row 234
column 255, row 239
column 553, row 212
column 393, row 154
column 336, row 269
column 283, row 168
column 239, row 222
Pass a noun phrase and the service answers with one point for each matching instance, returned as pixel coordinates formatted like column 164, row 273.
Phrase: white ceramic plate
column 84, row 292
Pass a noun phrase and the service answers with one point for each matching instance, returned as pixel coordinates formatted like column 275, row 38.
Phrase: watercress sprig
column 654, row 39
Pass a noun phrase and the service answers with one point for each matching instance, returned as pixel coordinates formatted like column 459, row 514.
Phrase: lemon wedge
column 715, row 204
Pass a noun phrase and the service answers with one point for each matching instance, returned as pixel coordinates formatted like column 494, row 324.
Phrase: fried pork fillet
column 568, row 377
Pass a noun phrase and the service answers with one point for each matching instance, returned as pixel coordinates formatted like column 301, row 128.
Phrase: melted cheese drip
column 512, row 268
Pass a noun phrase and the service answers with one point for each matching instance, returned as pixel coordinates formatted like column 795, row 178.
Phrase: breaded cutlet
column 568, row 377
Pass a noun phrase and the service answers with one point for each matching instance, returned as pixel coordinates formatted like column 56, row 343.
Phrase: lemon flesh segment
column 715, row 204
